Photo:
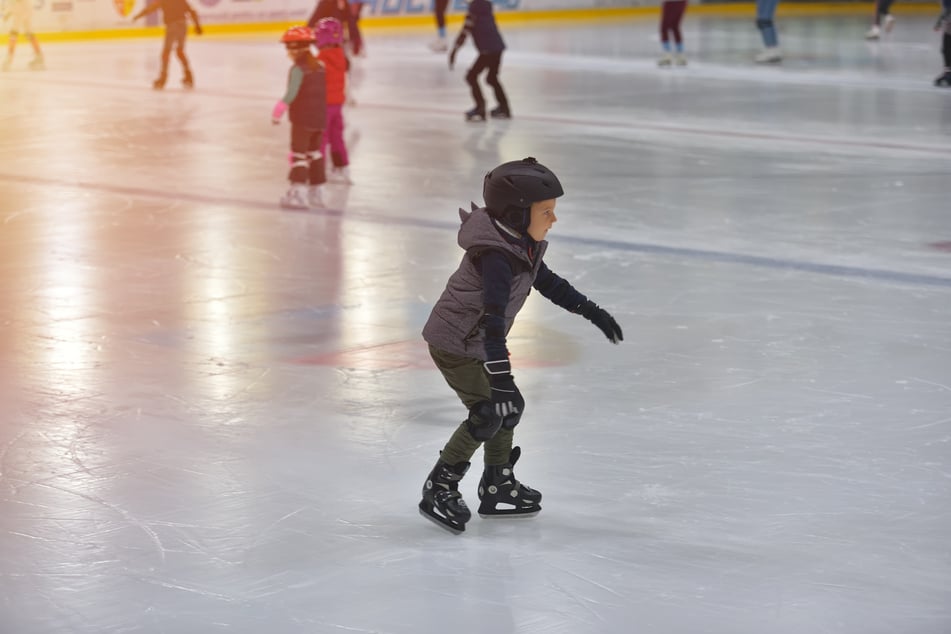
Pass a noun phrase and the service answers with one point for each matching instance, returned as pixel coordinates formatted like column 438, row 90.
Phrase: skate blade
column 455, row 529
column 511, row 514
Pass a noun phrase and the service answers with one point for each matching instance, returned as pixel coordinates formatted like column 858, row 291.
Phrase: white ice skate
column 439, row 45
column 340, row 175
column 315, row 199
column 295, row 198
column 769, row 55
column 875, row 31
column 37, row 63
column 680, row 59
column 665, row 60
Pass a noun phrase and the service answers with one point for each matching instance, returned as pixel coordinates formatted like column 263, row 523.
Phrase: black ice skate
column 943, row 81
column 500, row 113
column 159, row 82
column 504, row 496
column 442, row 503
column 475, row 115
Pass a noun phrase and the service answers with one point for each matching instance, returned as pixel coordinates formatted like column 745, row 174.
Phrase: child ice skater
column 765, row 14
column 480, row 23
column 944, row 24
column 306, row 98
column 671, row 15
column 174, row 14
column 329, row 35
column 504, row 245
column 21, row 16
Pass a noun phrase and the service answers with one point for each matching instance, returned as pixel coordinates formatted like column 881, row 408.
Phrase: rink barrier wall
column 515, row 18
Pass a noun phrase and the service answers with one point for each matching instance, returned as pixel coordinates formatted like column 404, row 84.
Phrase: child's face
column 542, row 218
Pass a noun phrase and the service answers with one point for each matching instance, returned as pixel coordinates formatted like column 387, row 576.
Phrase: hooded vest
column 309, row 108
column 455, row 323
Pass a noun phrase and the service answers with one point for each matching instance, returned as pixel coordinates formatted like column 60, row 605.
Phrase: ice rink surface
column 216, row 416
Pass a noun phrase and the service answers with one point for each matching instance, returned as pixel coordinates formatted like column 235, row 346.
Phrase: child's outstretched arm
column 461, row 39
column 560, row 292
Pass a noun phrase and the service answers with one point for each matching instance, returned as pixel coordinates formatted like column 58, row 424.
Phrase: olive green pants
column 468, row 379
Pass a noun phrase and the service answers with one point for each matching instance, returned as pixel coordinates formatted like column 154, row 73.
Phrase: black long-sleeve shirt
column 497, row 277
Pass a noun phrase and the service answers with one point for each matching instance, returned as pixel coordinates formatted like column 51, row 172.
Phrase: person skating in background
column 765, row 14
column 357, row 45
column 883, row 21
column 944, row 24
column 174, row 15
column 329, row 37
column 439, row 45
column 20, row 13
column 504, row 245
column 480, row 24
column 306, row 99
column 671, row 15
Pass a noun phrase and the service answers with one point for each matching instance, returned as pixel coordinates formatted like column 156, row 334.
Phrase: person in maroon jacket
column 174, row 14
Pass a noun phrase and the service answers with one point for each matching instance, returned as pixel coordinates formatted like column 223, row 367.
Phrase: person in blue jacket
column 480, row 23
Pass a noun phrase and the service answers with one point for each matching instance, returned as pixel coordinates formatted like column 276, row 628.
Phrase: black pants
column 490, row 61
column 305, row 145
column 946, row 47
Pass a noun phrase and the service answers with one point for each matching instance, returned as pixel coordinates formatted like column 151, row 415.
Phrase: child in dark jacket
column 306, row 98
column 504, row 245
column 329, row 34
column 480, row 23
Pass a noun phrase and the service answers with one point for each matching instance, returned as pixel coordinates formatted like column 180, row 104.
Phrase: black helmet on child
column 510, row 189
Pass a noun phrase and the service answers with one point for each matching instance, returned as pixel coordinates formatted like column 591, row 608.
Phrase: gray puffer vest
column 455, row 324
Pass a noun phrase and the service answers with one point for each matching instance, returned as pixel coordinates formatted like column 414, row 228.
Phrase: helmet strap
column 507, row 229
